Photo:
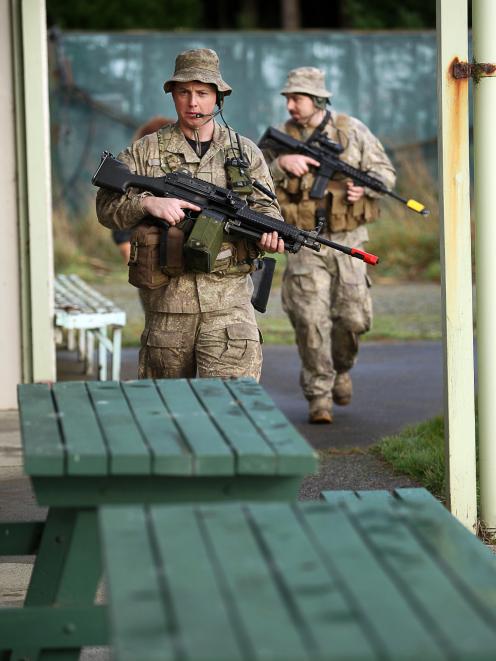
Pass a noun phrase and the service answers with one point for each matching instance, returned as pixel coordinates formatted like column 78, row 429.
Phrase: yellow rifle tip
column 416, row 206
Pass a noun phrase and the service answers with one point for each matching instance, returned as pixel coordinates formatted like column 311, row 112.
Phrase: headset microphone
column 198, row 115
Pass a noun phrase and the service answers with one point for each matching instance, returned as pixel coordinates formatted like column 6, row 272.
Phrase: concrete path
column 395, row 384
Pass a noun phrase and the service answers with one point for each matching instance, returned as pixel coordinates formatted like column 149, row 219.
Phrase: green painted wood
column 83, row 439
column 128, row 452
column 270, row 627
column 391, row 619
column 21, row 538
column 328, row 618
column 49, row 627
column 141, row 627
column 211, row 454
column 437, row 596
column 94, row 491
column 206, row 626
column 462, row 554
column 170, row 456
column 253, row 453
column 338, row 496
column 294, row 454
column 69, row 542
column 42, row 447
column 348, row 580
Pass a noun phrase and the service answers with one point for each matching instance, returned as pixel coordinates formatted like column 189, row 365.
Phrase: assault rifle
column 327, row 152
column 218, row 203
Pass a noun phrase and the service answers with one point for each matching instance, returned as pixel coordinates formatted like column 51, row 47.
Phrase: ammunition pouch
column 156, row 254
column 299, row 209
column 204, row 242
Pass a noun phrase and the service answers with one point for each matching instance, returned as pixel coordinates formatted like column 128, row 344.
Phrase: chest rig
column 197, row 244
column 333, row 210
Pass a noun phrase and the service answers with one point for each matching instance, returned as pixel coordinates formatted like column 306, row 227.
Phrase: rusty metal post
column 456, row 271
column 483, row 31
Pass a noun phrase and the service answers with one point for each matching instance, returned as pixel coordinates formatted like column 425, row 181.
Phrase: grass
column 418, row 451
column 407, row 244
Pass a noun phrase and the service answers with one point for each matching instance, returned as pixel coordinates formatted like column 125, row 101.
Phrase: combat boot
column 342, row 389
column 319, row 412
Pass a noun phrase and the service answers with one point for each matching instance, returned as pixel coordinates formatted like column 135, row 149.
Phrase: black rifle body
column 327, row 153
column 114, row 175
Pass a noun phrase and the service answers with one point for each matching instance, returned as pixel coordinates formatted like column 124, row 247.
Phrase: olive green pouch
column 237, row 179
column 204, row 242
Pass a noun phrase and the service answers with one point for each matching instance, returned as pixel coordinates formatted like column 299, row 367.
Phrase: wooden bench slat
column 43, row 450
column 436, row 593
column 269, row 625
column 205, row 632
column 128, row 453
column 294, row 454
column 75, row 290
column 253, row 454
column 445, row 537
column 366, row 581
column 211, row 454
column 131, row 571
column 351, row 579
column 169, row 453
column 333, row 622
column 84, row 443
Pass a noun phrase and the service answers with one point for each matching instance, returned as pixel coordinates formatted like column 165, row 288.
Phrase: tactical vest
column 159, row 252
column 299, row 209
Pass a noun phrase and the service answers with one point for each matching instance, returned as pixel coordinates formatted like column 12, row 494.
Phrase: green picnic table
column 87, row 444
column 367, row 575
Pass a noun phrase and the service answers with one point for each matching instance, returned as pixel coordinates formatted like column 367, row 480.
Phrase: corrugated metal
column 386, row 79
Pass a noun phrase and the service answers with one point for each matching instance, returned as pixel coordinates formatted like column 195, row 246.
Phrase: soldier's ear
column 219, row 99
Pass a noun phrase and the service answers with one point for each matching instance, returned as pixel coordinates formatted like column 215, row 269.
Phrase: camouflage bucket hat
column 200, row 64
column 306, row 80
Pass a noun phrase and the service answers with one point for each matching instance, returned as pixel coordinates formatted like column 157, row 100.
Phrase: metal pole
column 456, row 272
column 483, row 27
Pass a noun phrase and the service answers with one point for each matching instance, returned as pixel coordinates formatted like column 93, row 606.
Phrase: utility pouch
column 204, row 242
column 237, row 179
column 156, row 255
column 144, row 260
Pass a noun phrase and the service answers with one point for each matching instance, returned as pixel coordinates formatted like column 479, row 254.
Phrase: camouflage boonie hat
column 306, row 80
column 200, row 64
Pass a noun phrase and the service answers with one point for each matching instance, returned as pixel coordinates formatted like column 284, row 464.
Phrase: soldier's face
column 300, row 107
column 191, row 99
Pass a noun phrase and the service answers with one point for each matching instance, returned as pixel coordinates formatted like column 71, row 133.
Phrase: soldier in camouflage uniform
column 197, row 323
column 326, row 294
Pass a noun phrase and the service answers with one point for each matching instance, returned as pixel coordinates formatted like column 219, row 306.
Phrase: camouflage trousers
column 326, row 297
column 225, row 343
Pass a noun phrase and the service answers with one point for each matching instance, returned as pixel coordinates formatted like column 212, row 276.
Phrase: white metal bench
column 80, row 308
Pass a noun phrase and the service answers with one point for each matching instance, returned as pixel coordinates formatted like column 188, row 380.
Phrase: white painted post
column 102, row 354
column 116, row 353
column 28, row 23
column 38, row 187
column 484, row 47
column 456, row 275
column 10, row 284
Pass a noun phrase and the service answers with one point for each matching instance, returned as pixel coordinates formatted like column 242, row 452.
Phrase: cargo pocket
column 232, row 351
column 163, row 355
column 352, row 300
column 298, row 288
